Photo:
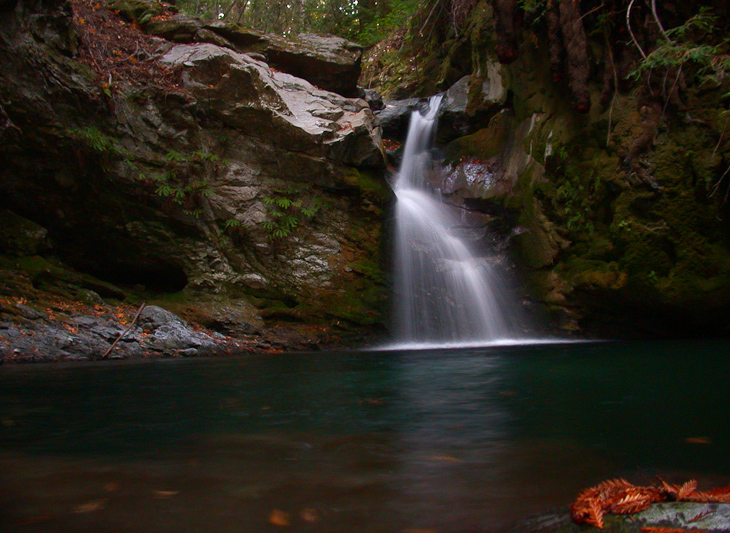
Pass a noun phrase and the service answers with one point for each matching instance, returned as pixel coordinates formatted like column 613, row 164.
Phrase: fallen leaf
column 309, row 514
column 698, row 440
column 90, row 507
column 164, row 494
column 279, row 518
column 372, row 401
column 445, row 459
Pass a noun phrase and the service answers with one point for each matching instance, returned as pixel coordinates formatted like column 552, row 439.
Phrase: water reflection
column 448, row 440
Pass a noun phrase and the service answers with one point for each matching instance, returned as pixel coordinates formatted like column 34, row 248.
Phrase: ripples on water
column 450, row 440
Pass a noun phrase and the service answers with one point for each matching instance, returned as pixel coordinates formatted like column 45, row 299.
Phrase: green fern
column 683, row 48
column 232, row 223
column 165, row 190
column 172, row 155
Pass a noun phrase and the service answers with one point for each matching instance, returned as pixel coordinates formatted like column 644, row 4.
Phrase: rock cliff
column 186, row 173
column 612, row 188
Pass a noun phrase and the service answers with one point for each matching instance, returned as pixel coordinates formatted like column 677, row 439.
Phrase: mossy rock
column 485, row 143
column 594, row 274
column 20, row 236
column 179, row 29
column 140, row 11
column 370, row 183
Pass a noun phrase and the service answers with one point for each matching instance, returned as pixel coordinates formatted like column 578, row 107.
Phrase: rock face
column 616, row 216
column 252, row 194
column 328, row 62
column 284, row 110
column 331, row 63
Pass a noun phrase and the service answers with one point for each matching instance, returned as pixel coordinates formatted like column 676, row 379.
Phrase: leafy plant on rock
column 182, row 183
column 286, row 213
column 689, row 45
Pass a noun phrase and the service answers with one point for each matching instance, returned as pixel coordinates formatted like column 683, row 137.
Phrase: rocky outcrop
column 331, row 63
column 614, row 200
column 252, row 195
column 290, row 113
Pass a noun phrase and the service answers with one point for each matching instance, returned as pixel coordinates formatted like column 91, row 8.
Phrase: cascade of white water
column 444, row 293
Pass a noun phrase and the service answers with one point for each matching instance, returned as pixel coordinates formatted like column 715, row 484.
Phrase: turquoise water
column 444, row 440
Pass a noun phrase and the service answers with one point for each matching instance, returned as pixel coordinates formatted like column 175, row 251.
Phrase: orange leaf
column 279, row 518
column 309, row 514
column 90, row 507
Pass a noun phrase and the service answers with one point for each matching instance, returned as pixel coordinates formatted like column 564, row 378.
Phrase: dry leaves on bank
column 618, row 496
column 118, row 51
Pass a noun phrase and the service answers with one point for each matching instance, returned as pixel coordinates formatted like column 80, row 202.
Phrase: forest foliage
column 364, row 21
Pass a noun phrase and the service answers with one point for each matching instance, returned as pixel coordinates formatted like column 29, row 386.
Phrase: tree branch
column 628, row 26
column 123, row 333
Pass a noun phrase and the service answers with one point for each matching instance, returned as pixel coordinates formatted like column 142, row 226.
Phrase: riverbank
column 53, row 315
column 71, row 331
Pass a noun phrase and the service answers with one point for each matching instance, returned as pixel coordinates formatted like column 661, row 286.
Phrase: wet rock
column 396, row 115
column 709, row 517
column 453, row 118
column 469, row 103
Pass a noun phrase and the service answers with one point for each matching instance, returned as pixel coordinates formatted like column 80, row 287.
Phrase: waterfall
column 445, row 294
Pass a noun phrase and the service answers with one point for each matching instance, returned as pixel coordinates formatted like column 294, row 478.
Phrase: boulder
column 206, row 36
column 153, row 317
column 19, row 236
column 329, row 62
column 242, row 37
column 179, row 29
column 136, row 10
column 290, row 112
column 172, row 333
column 453, row 117
column 396, row 115
column 374, row 99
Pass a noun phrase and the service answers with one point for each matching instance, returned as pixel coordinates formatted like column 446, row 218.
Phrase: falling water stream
column 445, row 293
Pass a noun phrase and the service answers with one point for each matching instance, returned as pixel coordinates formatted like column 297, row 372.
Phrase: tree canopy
column 364, row 21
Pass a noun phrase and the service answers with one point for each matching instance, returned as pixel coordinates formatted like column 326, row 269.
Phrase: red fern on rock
column 618, row 496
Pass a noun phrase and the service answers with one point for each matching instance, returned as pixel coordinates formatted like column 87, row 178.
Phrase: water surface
column 448, row 440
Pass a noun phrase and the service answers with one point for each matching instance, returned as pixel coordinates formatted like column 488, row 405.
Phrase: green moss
column 369, row 182
column 485, row 143
column 593, row 273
